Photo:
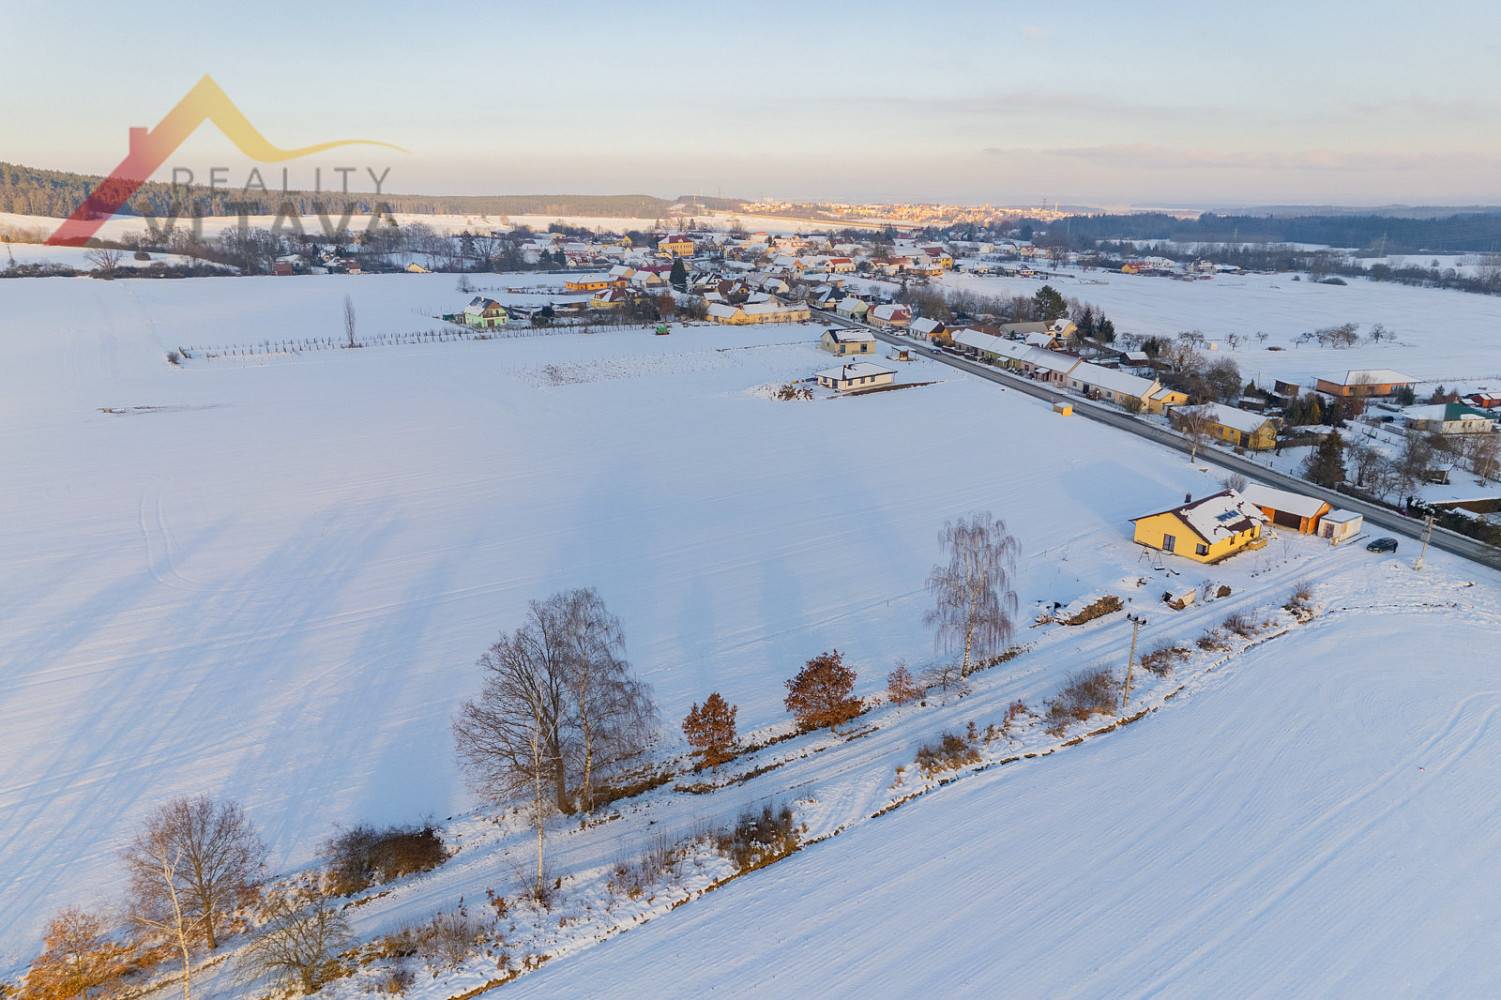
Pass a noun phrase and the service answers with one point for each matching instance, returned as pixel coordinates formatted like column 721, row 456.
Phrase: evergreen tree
column 1048, row 304
column 1086, row 323
column 1326, row 465
column 679, row 276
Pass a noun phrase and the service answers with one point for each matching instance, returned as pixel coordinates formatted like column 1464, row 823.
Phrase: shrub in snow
column 365, row 856
column 950, row 753
column 758, row 838
column 1090, row 692
column 1159, row 662
column 1240, row 624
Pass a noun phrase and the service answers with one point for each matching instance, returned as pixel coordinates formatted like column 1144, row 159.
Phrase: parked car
column 1382, row 545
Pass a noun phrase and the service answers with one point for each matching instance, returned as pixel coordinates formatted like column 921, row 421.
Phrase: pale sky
column 1112, row 103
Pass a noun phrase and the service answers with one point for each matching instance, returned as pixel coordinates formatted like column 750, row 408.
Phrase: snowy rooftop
column 858, row 369
column 1371, row 376
column 1292, row 503
column 850, row 336
column 1112, row 379
column 1231, row 416
column 1215, row 517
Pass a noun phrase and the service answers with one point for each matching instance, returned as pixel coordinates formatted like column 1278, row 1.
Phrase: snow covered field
column 1442, row 336
column 1317, row 821
column 272, row 580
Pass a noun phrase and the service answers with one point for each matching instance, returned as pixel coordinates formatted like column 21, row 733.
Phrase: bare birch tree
column 349, row 320
column 974, row 602
column 194, row 861
column 612, row 711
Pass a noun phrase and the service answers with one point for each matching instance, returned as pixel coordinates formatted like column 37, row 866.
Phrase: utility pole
column 1136, row 624
column 1427, row 534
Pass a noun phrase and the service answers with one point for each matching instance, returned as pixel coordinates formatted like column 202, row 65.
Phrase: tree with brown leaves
column 902, row 686
column 710, row 729
column 80, row 957
column 820, row 695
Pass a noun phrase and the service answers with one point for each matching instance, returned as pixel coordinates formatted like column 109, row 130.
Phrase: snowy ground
column 1442, row 335
column 272, row 585
column 1315, row 822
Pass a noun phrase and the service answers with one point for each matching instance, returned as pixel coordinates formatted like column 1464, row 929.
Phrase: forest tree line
column 1467, row 232
column 57, row 194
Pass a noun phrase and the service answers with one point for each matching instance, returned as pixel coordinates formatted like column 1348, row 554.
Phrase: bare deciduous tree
column 1361, row 460
column 298, row 934
column 558, row 709
column 612, row 711
column 1234, row 481
column 105, row 260
column 349, row 320
column 974, row 600
column 1195, row 423
column 194, row 861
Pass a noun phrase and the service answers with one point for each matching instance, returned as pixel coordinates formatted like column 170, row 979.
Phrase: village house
column 677, row 245
column 842, row 343
column 609, row 298
column 1364, row 382
column 1165, row 399
column 1115, row 386
column 1447, row 418
column 852, row 308
column 1059, row 329
column 1485, row 399
column 889, row 316
column 1286, row 509
column 938, row 255
column 592, row 283
column 483, row 313
column 857, row 375
column 768, row 311
column 1235, row 427
column 927, row 329
column 1205, row 530
column 1034, row 362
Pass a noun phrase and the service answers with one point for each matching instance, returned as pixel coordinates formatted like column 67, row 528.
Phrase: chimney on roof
column 1188, row 498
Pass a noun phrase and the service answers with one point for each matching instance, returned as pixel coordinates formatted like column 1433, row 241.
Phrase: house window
column 1168, row 542
column 1202, row 549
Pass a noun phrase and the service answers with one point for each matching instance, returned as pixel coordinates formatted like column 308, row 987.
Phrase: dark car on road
column 1382, row 545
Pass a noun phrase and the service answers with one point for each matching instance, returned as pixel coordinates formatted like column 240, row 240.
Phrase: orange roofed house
column 1365, row 382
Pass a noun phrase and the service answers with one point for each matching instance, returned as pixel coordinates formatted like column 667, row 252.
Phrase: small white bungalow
column 856, row 375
